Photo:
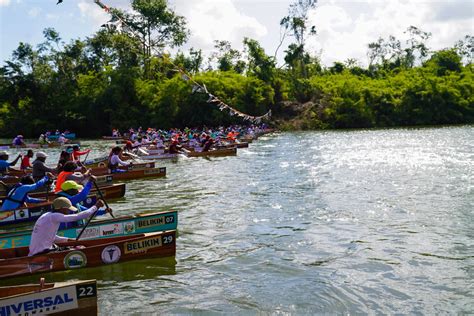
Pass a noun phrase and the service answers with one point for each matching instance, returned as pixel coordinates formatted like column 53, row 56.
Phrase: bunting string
column 196, row 87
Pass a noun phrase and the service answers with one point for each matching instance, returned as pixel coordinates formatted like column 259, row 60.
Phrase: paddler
column 18, row 195
column 18, row 141
column 25, row 161
column 39, row 166
column 76, row 153
column 115, row 161
column 69, row 173
column 4, row 164
column 44, row 234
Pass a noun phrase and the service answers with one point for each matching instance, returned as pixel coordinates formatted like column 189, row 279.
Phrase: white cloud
column 34, row 12
column 210, row 20
column 4, row 3
column 92, row 11
column 345, row 28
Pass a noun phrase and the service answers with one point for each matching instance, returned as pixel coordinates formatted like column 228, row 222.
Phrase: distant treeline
column 114, row 80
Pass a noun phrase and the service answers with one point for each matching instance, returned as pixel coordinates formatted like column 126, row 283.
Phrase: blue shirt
column 21, row 194
column 4, row 166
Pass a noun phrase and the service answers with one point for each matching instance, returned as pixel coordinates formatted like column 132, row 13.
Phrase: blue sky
column 344, row 27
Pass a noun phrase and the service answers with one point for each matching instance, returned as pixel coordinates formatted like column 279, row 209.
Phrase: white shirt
column 115, row 160
column 46, row 228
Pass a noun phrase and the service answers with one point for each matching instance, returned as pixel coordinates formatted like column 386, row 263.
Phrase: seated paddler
column 76, row 193
column 18, row 195
column 44, row 234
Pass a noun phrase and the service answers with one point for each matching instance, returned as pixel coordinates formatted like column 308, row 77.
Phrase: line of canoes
column 102, row 242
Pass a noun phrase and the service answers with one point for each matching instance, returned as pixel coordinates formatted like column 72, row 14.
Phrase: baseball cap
column 41, row 154
column 63, row 202
column 70, row 185
column 4, row 153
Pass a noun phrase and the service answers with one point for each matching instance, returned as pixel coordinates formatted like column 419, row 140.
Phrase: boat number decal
column 111, row 254
column 129, row 227
column 75, row 259
column 142, row 245
column 86, row 290
column 88, row 201
column 167, row 239
column 158, row 221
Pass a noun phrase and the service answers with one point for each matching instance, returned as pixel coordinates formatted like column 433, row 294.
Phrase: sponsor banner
column 7, row 216
column 111, row 229
column 142, row 245
column 89, row 232
column 40, row 303
column 149, row 222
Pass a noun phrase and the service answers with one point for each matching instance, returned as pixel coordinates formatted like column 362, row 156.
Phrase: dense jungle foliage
column 117, row 79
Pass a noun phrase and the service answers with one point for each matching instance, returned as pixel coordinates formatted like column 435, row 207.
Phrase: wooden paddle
column 102, row 197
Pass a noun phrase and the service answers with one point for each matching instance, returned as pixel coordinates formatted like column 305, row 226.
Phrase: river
column 339, row 222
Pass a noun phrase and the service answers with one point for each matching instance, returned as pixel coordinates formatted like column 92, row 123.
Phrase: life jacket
column 60, row 180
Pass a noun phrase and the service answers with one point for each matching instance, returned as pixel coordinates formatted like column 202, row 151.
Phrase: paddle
column 102, row 197
column 86, row 158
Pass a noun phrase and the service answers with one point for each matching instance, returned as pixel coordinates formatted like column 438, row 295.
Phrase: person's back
column 46, row 227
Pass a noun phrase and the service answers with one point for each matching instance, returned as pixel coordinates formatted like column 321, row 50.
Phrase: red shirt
column 25, row 163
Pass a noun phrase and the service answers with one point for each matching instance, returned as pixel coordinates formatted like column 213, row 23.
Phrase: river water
column 339, row 222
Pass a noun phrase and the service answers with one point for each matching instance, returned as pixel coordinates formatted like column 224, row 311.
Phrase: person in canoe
column 4, row 164
column 115, row 161
column 76, row 153
column 69, row 173
column 44, row 235
column 209, row 142
column 174, row 147
column 18, row 141
column 76, row 193
column 18, row 195
column 25, row 161
column 39, row 167
column 64, row 157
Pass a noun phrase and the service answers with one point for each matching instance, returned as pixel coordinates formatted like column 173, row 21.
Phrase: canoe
column 88, row 253
column 112, row 191
column 32, row 145
column 112, row 137
column 159, row 156
column 211, row 153
column 32, row 213
column 101, row 171
column 96, row 161
column 139, row 174
column 73, row 298
column 122, row 226
column 68, row 136
column 15, row 175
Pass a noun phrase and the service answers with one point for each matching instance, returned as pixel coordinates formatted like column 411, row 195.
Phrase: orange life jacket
column 61, row 179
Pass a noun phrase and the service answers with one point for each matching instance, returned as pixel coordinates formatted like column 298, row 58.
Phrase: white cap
column 41, row 154
column 3, row 153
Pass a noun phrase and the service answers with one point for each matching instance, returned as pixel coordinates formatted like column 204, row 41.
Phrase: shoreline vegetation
column 118, row 79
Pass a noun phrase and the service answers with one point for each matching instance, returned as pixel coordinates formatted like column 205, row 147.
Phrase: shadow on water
column 145, row 269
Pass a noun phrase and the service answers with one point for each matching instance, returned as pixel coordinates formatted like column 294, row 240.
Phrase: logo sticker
column 75, row 259
column 129, row 227
column 111, row 254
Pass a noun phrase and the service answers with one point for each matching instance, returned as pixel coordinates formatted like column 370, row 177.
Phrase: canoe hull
column 96, row 252
column 68, row 299
column 123, row 226
column 213, row 153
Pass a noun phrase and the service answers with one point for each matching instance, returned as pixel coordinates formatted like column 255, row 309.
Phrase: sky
column 344, row 27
